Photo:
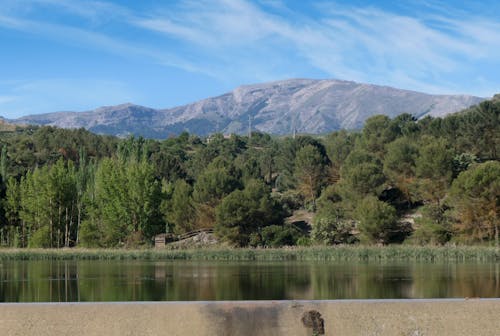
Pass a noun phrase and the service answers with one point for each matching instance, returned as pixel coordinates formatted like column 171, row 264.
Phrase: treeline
column 429, row 181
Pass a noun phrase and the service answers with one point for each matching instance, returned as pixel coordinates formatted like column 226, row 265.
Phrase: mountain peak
column 278, row 107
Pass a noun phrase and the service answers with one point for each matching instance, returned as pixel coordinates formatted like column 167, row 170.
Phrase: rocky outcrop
column 304, row 105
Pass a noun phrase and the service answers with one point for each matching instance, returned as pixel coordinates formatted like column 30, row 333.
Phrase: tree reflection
column 65, row 281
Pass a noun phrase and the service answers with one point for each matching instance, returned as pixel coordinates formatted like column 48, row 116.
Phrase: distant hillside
column 6, row 126
column 309, row 106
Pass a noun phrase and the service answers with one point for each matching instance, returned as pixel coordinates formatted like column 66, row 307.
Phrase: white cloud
column 215, row 24
column 239, row 40
column 364, row 44
column 85, row 38
column 168, row 27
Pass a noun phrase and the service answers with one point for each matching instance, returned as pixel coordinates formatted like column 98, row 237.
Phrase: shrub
column 377, row 220
column 280, row 235
column 89, row 235
column 432, row 227
column 331, row 226
column 40, row 238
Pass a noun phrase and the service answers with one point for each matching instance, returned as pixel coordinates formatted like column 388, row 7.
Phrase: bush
column 40, row 238
column 377, row 221
column 429, row 232
column 244, row 212
column 304, row 241
column 135, row 239
column 90, row 235
column 433, row 227
column 331, row 226
column 277, row 236
column 290, row 200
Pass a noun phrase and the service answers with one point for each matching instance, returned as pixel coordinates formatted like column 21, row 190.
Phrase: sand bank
column 359, row 317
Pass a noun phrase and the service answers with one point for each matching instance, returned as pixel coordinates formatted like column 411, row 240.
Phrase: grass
column 338, row 253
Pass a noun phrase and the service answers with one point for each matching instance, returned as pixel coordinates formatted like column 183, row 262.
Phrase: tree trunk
column 79, row 206
column 66, row 233
column 24, row 242
column 59, row 211
column 51, row 223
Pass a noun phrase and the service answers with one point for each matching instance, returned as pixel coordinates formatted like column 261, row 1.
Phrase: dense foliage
column 428, row 181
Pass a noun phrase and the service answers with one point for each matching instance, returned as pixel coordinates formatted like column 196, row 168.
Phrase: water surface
column 73, row 281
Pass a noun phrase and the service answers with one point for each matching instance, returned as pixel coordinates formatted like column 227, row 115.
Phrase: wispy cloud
column 84, row 37
column 431, row 48
column 91, row 10
column 233, row 38
column 365, row 44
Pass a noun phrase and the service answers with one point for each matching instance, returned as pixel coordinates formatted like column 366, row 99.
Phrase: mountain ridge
column 278, row 107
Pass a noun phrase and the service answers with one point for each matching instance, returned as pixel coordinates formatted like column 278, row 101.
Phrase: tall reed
column 337, row 253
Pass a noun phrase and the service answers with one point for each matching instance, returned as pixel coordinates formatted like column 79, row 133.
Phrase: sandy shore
column 363, row 317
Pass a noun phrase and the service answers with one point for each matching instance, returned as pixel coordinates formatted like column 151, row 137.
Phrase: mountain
column 309, row 106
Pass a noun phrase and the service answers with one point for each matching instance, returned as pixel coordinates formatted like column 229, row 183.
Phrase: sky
column 72, row 55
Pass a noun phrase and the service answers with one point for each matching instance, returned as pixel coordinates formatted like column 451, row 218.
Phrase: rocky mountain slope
column 309, row 106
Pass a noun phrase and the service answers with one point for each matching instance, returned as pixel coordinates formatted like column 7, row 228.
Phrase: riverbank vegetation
column 432, row 181
column 355, row 253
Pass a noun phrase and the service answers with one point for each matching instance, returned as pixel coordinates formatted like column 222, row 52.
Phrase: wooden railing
column 193, row 233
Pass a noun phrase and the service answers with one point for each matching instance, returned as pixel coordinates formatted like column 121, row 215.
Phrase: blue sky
column 78, row 55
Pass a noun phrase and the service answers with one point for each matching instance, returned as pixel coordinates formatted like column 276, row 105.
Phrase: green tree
column 376, row 134
column 109, row 213
column 247, row 211
column 361, row 175
column 3, row 164
column 377, row 221
column 267, row 160
column 486, row 127
column 169, row 163
column 143, row 199
column 476, row 130
column 16, row 232
column 216, row 182
column 433, row 227
column 84, row 177
column 126, row 208
column 286, row 155
column 475, row 197
column 399, row 164
column 181, row 211
column 403, row 125
column 434, row 170
column 332, row 225
column 249, row 163
column 63, row 187
column 48, row 204
column 276, row 236
column 462, row 162
column 338, row 146
column 30, row 204
column 310, row 171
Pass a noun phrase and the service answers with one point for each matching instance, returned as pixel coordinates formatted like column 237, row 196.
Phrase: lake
column 73, row 281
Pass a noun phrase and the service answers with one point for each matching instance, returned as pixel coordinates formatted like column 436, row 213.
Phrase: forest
column 431, row 181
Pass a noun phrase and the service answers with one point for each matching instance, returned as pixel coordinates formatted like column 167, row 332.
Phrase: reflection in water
column 62, row 281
